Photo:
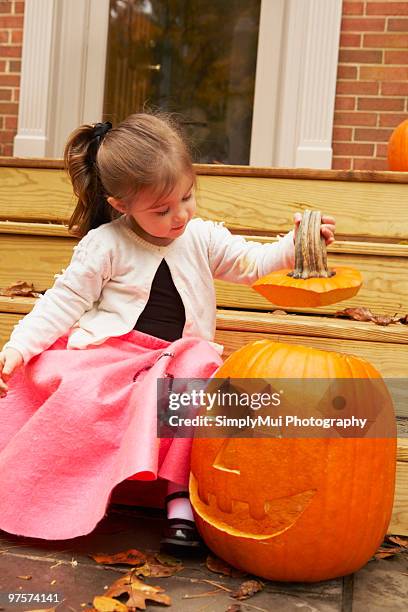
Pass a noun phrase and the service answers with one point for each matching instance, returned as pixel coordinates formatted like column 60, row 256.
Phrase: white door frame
column 295, row 86
column 63, row 77
column 63, row 72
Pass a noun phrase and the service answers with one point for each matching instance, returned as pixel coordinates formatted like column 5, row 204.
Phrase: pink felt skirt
column 75, row 423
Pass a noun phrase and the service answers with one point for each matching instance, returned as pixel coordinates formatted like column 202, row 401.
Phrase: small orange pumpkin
column 398, row 148
column 311, row 283
column 296, row 509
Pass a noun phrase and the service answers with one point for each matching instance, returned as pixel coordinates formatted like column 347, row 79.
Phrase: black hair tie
column 100, row 129
column 98, row 132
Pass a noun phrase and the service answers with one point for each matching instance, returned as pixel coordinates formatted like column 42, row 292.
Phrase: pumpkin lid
column 311, row 283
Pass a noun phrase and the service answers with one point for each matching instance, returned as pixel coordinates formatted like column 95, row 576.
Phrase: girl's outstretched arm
column 234, row 259
column 73, row 293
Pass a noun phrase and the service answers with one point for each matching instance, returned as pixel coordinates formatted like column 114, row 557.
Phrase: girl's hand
column 10, row 360
column 327, row 227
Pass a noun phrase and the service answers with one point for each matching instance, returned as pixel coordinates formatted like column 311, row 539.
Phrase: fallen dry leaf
column 384, row 555
column 159, row 566
column 138, row 592
column 365, row 314
column 248, row 589
column 20, row 288
column 129, row 557
column 397, row 540
column 218, row 566
column 387, row 551
column 275, row 312
column 141, row 592
column 120, row 586
column 107, row 604
column 167, row 559
column 385, row 319
column 358, row 314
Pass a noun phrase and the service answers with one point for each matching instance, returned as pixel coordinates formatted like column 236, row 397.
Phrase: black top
column 164, row 315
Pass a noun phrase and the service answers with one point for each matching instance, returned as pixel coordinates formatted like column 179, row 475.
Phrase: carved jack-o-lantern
column 295, row 509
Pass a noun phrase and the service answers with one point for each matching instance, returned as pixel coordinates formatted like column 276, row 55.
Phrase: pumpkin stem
column 310, row 249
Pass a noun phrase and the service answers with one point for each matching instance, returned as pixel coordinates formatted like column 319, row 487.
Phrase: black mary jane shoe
column 180, row 536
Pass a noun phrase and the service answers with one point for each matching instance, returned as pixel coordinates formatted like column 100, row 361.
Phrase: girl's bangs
column 166, row 178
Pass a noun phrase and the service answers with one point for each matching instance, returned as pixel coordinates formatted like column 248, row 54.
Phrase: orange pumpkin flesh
column 311, row 283
column 398, row 148
column 305, row 509
column 282, row 290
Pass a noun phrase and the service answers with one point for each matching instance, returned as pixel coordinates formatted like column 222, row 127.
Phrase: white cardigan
column 107, row 283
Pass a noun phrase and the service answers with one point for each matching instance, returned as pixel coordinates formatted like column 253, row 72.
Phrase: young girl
column 135, row 304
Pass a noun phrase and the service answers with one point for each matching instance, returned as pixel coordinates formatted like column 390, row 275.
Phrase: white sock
column 179, row 507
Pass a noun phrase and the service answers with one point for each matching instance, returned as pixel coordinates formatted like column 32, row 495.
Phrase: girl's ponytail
column 92, row 209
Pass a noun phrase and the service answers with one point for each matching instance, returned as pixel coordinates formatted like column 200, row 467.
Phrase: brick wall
column 11, row 33
column 372, row 82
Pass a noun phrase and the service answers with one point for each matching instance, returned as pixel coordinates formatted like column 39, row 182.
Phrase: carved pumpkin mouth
column 280, row 514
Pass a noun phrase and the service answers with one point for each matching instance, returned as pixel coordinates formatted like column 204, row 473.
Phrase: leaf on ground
column 358, row 314
column 383, row 555
column 397, row 540
column 385, row 319
column 365, row 314
column 276, row 312
column 167, row 559
column 120, row 586
column 218, row 566
column 129, row 557
column 142, row 592
column 20, row 288
column 248, row 589
column 108, row 604
column 138, row 591
column 387, row 551
column 159, row 566
column 234, row 608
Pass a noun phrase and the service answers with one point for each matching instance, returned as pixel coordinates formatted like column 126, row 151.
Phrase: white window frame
column 63, row 72
column 63, row 76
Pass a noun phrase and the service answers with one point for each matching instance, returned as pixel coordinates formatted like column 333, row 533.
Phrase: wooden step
column 264, row 201
column 385, row 347
column 36, row 258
